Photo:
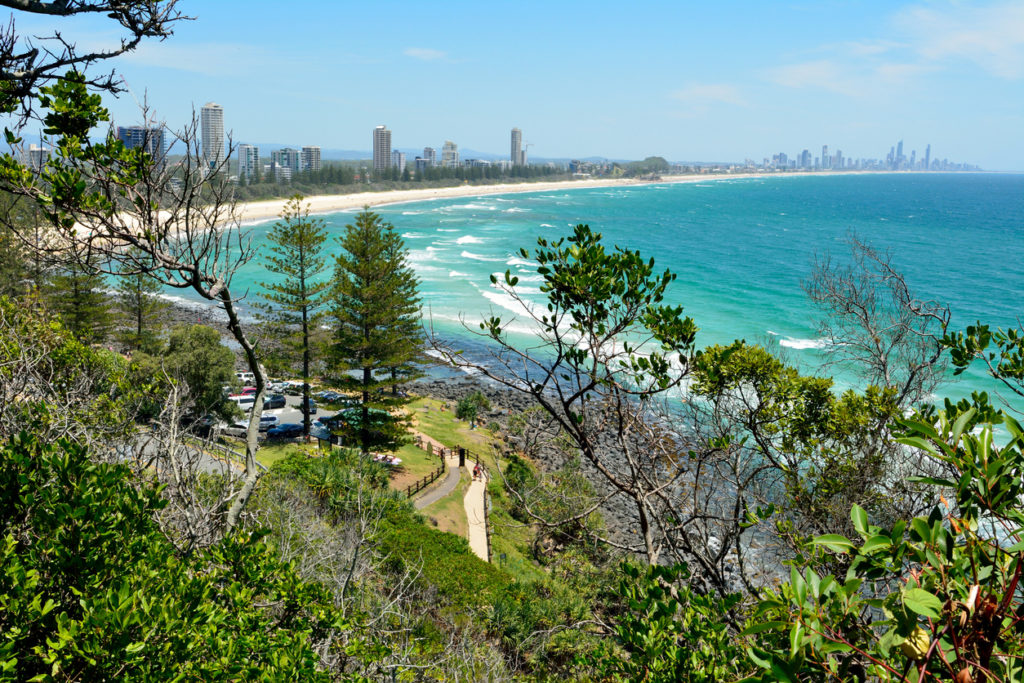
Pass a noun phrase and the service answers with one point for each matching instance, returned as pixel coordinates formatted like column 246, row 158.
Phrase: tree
column 608, row 350
column 1000, row 352
column 294, row 302
column 27, row 66
column 470, row 406
column 875, row 324
column 138, row 300
column 375, row 307
column 75, row 292
column 196, row 356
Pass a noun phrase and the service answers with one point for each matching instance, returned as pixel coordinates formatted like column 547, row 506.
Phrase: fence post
column 462, row 456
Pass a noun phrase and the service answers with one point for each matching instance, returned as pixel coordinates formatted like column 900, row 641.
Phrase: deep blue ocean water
column 740, row 248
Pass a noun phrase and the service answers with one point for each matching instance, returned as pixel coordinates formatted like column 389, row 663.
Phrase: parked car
column 268, row 421
column 288, row 430
column 248, row 391
column 274, row 401
column 277, row 387
column 309, row 407
column 244, row 402
column 294, row 389
column 330, row 396
column 239, row 429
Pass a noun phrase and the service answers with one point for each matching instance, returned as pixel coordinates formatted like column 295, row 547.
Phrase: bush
column 91, row 590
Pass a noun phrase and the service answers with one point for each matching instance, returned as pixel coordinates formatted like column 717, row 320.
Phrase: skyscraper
column 398, row 160
column 310, row 160
column 381, row 149
column 450, row 154
column 928, row 158
column 826, row 160
column 248, row 160
column 430, row 156
column 211, row 123
column 516, row 154
column 149, row 138
column 35, row 157
column 899, row 154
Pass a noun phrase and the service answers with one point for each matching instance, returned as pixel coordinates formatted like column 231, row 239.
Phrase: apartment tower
column 211, row 123
column 381, row 149
column 516, row 154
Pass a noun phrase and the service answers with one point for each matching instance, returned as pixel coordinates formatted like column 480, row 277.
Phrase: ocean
column 740, row 249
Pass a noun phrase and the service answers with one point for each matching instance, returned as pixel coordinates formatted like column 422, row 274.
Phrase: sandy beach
column 319, row 204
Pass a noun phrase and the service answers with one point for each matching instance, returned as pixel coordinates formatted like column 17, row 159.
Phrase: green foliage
column 137, row 295
column 91, row 590
column 823, row 449
column 469, row 406
column 443, row 560
column 295, row 298
column 937, row 594
column 607, row 300
column 196, row 356
column 649, row 166
column 1002, row 353
column 57, row 384
column 667, row 632
column 75, row 292
column 377, row 334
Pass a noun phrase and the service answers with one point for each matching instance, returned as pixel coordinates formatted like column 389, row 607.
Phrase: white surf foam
column 803, row 344
column 469, row 239
column 478, row 257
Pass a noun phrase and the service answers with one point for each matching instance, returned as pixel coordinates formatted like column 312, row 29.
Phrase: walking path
column 435, row 493
column 476, row 516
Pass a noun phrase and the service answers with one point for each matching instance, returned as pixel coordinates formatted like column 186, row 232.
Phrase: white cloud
column 710, row 93
column 424, row 53
column 991, row 37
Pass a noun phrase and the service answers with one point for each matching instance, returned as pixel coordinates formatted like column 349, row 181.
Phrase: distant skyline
column 712, row 82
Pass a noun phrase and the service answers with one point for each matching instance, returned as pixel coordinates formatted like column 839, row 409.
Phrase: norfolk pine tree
column 376, row 310
column 294, row 301
column 138, row 300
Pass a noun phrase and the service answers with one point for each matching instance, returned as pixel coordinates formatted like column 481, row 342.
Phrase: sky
column 689, row 81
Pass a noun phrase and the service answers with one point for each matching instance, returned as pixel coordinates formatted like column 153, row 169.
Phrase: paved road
column 447, row 485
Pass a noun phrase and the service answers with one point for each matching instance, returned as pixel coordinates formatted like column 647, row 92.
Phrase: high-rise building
column 826, row 160
column 149, row 138
column 430, row 156
column 248, row 160
column 928, row 157
column 211, row 123
column 450, row 154
column 310, row 158
column 516, row 154
column 899, row 154
column 285, row 163
column 805, row 159
column 35, row 157
column 381, row 149
column 837, row 160
column 398, row 160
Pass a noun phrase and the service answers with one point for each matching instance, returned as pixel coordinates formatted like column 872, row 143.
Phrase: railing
column 426, row 481
column 465, row 455
column 230, row 453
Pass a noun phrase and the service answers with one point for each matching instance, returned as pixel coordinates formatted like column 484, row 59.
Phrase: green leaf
column 763, row 626
column 834, row 542
column 876, row 543
column 860, row 519
column 922, row 602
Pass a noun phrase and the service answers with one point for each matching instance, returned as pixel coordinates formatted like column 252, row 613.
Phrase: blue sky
column 685, row 80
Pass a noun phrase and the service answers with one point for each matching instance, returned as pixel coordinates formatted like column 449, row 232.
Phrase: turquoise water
column 740, row 248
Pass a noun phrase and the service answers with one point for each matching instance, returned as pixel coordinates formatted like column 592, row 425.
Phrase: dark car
column 331, row 396
column 288, row 430
column 311, row 406
column 274, row 401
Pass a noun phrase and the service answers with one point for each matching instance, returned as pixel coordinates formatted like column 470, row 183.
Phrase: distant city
column 287, row 162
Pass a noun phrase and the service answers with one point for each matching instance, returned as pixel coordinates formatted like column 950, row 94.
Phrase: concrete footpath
column 475, row 516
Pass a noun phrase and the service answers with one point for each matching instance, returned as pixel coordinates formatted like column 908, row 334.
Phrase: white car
column 239, row 429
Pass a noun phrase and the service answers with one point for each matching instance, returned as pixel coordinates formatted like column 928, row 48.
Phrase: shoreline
column 249, row 213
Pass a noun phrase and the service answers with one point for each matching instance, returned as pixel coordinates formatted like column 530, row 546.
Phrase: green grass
column 450, row 511
column 269, row 453
column 416, row 464
column 442, row 425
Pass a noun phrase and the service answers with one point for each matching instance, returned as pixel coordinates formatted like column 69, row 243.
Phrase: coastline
column 254, row 212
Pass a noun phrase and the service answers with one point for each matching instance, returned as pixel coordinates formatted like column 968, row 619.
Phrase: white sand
column 319, row 204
